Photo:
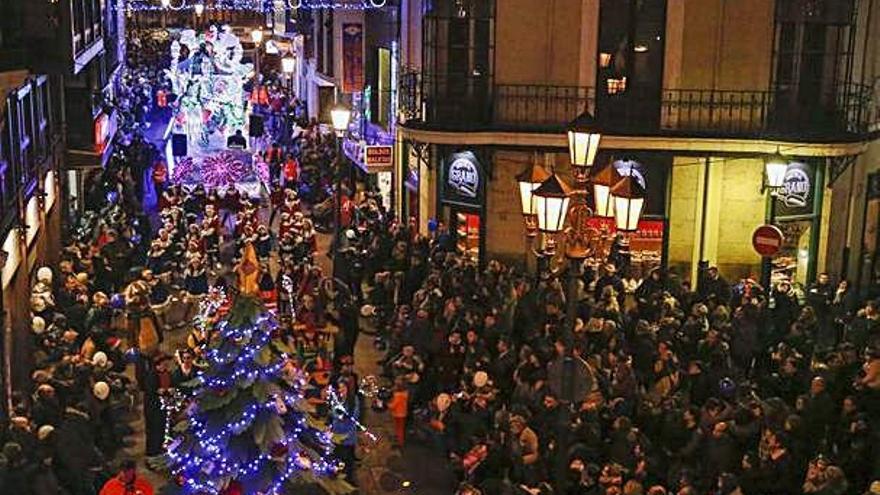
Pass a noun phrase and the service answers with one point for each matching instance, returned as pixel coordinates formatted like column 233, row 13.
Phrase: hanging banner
column 352, row 58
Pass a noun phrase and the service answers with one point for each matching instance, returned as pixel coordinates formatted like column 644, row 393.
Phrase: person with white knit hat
column 44, row 431
column 38, row 325
column 101, row 391
column 99, row 360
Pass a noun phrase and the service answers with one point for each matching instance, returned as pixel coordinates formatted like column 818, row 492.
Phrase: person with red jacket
column 127, row 482
column 291, row 171
column 160, row 177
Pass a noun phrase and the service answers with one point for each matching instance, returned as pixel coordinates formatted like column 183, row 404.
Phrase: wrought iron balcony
column 462, row 104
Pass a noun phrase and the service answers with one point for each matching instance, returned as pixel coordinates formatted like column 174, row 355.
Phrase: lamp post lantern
column 775, row 167
column 629, row 201
column 339, row 117
column 551, row 204
column 583, row 143
column 529, row 180
column 602, row 182
column 257, row 38
column 288, row 67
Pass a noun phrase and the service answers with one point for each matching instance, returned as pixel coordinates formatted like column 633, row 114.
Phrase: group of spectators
column 67, row 432
column 729, row 389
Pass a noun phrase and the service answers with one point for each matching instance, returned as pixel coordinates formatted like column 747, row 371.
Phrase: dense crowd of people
column 113, row 323
column 726, row 390
column 649, row 387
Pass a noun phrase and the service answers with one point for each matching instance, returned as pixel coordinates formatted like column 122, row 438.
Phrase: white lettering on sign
column 767, row 241
column 378, row 156
column 464, row 177
column 795, row 188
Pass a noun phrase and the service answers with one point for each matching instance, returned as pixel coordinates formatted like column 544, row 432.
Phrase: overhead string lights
column 248, row 5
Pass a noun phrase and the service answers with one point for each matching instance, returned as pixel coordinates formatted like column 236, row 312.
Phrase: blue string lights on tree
column 249, row 428
column 249, row 5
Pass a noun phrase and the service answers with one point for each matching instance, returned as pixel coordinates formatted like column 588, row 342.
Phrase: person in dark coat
column 722, row 453
column 569, row 377
column 46, row 409
column 820, row 297
column 45, row 482
column 19, row 473
column 77, row 456
column 714, row 286
column 154, row 416
column 783, row 310
column 818, row 410
column 609, row 277
column 502, row 368
column 652, row 286
column 777, row 474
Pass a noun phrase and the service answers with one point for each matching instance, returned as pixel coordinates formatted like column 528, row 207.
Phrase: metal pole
column 530, row 240
column 571, row 293
column 6, row 343
column 767, row 261
column 702, row 263
column 257, row 63
column 338, row 196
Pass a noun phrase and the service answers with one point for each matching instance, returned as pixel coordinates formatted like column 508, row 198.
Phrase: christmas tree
column 250, row 429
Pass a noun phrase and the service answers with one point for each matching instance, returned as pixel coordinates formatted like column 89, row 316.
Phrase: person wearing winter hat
column 99, row 360
column 44, row 431
column 44, row 275
column 38, row 325
column 101, row 391
column 46, row 408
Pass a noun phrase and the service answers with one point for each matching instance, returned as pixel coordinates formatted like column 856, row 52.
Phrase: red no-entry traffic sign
column 767, row 240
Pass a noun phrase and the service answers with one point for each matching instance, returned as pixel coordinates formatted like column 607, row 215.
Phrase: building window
column 331, row 37
column 813, row 58
column 458, row 54
column 629, row 78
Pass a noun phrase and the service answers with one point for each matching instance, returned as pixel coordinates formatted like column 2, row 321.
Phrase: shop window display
column 792, row 261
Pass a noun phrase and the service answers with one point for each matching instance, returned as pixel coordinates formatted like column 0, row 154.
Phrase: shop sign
column 767, row 240
column 379, row 158
column 463, row 180
column 795, row 188
column 795, row 197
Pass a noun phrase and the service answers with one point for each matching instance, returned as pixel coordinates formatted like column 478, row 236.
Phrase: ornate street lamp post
column 775, row 167
column 340, row 115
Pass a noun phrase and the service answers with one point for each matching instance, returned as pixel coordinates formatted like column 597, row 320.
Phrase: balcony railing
column 469, row 104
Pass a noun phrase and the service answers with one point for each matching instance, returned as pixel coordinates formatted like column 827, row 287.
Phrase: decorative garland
column 251, row 5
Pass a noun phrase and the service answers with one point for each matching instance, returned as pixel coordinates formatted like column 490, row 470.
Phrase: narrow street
column 385, row 469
